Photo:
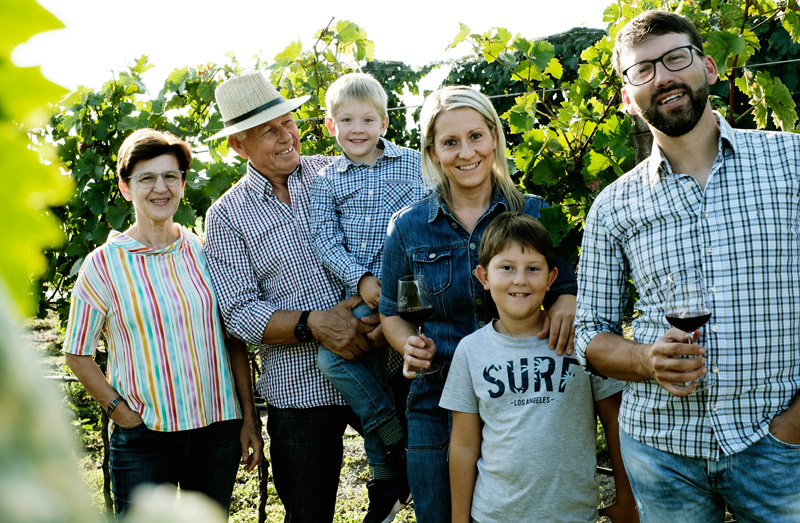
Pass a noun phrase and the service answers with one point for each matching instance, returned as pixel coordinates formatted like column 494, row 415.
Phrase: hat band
column 254, row 112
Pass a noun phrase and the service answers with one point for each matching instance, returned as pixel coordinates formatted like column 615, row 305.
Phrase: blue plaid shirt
column 743, row 232
column 351, row 207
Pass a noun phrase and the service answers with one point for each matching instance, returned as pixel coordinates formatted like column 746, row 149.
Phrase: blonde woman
column 463, row 158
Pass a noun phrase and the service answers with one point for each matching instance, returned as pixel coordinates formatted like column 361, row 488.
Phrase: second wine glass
column 687, row 309
column 414, row 306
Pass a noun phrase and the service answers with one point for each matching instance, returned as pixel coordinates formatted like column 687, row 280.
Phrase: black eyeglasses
column 675, row 60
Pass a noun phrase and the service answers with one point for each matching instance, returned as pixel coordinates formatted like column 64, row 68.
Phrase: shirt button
column 713, row 290
column 708, row 250
column 705, row 215
column 454, row 225
column 479, row 301
column 370, row 192
column 367, row 219
column 472, row 246
column 714, row 408
column 481, row 324
column 474, row 272
column 363, row 245
column 714, row 328
column 432, row 255
column 715, row 369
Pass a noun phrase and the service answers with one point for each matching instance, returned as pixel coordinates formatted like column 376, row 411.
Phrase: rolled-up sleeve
column 602, row 282
column 246, row 314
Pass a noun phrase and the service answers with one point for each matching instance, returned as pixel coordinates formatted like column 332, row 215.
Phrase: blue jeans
column 306, row 455
column 364, row 384
column 428, row 446
column 759, row 484
column 205, row 460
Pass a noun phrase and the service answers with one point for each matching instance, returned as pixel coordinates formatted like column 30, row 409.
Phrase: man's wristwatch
column 301, row 330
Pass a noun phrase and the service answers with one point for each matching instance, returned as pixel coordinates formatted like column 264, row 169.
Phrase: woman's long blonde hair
column 454, row 97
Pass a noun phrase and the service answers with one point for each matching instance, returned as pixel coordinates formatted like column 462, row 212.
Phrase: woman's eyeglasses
column 147, row 179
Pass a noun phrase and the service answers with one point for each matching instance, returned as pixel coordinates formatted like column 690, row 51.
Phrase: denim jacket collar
column 437, row 205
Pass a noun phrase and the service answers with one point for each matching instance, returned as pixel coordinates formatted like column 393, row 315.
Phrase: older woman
column 463, row 158
column 180, row 402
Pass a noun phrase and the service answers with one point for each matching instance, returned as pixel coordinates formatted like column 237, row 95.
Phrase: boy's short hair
column 356, row 87
column 648, row 25
column 146, row 144
column 515, row 228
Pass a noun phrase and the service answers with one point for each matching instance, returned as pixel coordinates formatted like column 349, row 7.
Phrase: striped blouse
column 159, row 316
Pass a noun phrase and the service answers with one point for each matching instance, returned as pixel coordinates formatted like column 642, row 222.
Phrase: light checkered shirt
column 352, row 205
column 743, row 232
column 261, row 261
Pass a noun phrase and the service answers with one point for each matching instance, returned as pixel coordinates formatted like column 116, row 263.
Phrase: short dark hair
column 651, row 24
column 511, row 228
column 145, row 144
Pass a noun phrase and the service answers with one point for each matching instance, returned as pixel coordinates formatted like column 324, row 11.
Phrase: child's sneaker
column 386, row 499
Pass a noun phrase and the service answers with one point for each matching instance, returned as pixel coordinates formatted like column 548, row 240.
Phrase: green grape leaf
column 463, row 31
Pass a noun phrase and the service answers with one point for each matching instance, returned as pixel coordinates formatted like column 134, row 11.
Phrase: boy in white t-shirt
column 522, row 446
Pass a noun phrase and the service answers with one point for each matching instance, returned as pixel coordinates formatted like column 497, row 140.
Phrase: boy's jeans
column 364, row 385
column 759, row 484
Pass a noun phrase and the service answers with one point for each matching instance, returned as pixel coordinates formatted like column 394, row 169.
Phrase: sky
column 104, row 36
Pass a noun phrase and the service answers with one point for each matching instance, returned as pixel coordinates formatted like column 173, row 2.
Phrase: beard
column 681, row 120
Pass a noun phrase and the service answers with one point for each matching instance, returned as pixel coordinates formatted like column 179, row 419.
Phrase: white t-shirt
column 537, row 458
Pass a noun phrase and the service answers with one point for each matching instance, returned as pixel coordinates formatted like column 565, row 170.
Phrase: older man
column 275, row 293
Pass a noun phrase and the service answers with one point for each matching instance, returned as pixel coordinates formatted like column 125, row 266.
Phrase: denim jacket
column 427, row 239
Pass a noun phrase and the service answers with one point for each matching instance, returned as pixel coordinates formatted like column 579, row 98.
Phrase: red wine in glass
column 416, row 316
column 688, row 321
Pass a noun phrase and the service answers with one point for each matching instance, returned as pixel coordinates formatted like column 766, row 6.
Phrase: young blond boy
column 353, row 199
column 522, row 446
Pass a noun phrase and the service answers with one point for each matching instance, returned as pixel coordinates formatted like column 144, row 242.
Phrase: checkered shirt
column 351, row 207
column 743, row 232
column 261, row 261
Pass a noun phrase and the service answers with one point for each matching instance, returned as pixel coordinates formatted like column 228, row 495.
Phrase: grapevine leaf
column 779, row 100
column 463, row 31
column 791, row 22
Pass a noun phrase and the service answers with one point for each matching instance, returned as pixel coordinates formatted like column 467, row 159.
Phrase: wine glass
column 414, row 306
column 687, row 309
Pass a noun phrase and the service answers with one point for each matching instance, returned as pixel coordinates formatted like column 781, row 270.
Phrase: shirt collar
column 124, row 242
column 390, row 150
column 258, row 183
column 658, row 167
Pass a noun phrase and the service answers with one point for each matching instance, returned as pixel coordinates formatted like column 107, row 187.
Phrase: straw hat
column 249, row 100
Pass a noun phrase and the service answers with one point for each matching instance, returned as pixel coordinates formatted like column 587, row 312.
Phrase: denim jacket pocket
column 437, row 268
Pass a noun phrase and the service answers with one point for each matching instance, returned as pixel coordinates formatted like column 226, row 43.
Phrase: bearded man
column 711, row 417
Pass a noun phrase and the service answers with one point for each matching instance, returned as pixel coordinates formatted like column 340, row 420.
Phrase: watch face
column 303, row 333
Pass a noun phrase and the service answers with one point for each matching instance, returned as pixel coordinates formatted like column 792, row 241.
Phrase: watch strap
column 303, row 318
